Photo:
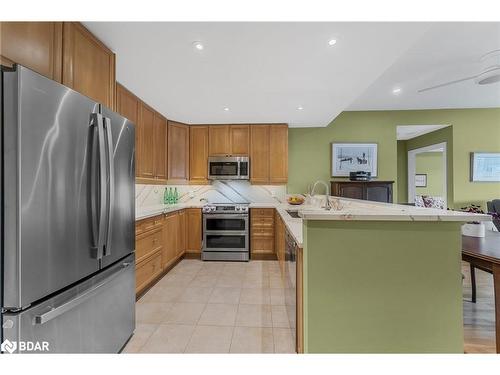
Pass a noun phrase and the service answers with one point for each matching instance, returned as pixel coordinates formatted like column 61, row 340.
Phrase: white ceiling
column 447, row 52
column 261, row 71
column 405, row 132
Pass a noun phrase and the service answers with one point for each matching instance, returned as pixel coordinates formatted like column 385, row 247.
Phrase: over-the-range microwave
column 228, row 168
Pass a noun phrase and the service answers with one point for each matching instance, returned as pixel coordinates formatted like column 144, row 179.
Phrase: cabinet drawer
column 148, row 224
column 262, row 212
column 262, row 232
column 262, row 245
column 262, row 221
column 147, row 243
column 147, row 270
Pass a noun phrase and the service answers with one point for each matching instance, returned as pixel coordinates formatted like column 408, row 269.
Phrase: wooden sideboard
column 378, row 191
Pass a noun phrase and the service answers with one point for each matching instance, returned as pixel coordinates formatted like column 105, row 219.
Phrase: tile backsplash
column 217, row 192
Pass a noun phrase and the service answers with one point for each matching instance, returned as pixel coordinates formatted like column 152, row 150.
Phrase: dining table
column 484, row 253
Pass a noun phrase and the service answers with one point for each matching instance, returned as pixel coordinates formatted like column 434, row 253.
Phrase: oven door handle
column 227, row 232
column 225, row 216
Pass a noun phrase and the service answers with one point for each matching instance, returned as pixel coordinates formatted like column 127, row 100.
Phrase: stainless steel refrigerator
column 68, row 216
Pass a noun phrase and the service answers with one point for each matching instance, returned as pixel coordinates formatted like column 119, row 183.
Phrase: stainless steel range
column 225, row 232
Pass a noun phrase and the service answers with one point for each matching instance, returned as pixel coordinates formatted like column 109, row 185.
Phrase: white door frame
column 412, row 170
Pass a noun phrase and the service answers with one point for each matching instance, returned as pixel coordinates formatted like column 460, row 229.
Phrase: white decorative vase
column 473, row 230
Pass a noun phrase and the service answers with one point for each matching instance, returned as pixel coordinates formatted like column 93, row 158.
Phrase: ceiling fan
column 490, row 72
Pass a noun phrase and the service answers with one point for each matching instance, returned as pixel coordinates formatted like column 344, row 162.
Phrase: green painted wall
column 431, row 164
column 382, row 287
column 402, row 176
column 471, row 129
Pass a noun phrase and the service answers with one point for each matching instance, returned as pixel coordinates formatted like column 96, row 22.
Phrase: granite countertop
column 342, row 209
column 354, row 209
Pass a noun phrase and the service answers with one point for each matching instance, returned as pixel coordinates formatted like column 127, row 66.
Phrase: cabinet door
column 178, row 152
column 36, row 45
column 259, row 154
column 193, row 224
column 379, row 192
column 160, row 147
column 127, row 104
column 88, row 65
column 198, row 154
column 278, row 151
column 239, row 140
column 182, row 233
column 170, row 239
column 354, row 191
column 146, row 127
column 219, row 140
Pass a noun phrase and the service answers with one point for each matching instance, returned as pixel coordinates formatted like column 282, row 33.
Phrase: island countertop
column 355, row 209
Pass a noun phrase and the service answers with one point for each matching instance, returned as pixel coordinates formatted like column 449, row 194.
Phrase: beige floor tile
column 210, row 339
column 195, row 294
column 254, row 316
column 142, row 333
column 219, row 314
column 225, row 295
column 277, row 296
column 280, row 316
column 233, row 281
column 151, row 312
column 184, row 313
column 260, row 281
column 276, row 282
column 252, row 340
column 204, row 280
column 283, row 340
column 163, row 294
column 255, row 296
column 178, row 279
column 168, row 338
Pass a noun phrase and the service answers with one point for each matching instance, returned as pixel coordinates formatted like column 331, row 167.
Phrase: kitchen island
column 382, row 278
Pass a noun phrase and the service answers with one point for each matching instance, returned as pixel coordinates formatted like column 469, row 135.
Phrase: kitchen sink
column 294, row 214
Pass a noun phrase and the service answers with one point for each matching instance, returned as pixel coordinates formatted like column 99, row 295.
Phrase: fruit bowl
column 295, row 200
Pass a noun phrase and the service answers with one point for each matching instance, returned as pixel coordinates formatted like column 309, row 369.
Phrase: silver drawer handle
column 65, row 307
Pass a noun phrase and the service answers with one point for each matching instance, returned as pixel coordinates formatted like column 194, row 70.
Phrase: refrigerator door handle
column 110, row 185
column 54, row 312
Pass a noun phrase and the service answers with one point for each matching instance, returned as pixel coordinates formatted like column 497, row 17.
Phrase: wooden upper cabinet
column 160, row 147
column 36, row 45
column 219, row 140
column 239, row 139
column 278, row 154
column 259, row 154
column 88, row 65
column 127, row 105
column 178, row 152
column 198, row 154
column 146, row 127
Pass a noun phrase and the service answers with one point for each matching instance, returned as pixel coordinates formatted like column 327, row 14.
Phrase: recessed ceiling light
column 332, row 42
column 198, row 46
column 396, row 91
column 300, row 108
column 226, row 109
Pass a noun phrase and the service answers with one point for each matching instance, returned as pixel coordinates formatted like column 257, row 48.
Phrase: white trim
column 412, row 170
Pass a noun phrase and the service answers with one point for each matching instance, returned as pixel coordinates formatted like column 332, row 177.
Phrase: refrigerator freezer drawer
column 96, row 316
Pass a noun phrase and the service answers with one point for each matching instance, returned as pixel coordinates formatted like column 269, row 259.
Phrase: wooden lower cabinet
column 147, row 271
column 182, row 234
column 193, row 230
column 170, row 239
column 262, row 232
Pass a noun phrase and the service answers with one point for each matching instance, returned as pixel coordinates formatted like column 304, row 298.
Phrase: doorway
column 427, row 174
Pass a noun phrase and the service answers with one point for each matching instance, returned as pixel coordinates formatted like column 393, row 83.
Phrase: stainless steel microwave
column 228, row 168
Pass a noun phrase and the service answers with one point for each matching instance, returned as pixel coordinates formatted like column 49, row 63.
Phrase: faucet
column 328, row 207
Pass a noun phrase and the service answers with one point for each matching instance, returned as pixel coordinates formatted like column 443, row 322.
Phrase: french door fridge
column 68, row 214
